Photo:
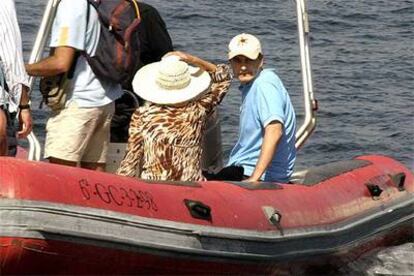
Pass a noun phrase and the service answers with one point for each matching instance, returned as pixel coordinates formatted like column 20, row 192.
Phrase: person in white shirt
column 14, row 82
column 79, row 133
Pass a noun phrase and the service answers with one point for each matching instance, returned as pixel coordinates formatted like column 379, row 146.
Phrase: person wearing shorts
column 78, row 134
column 14, row 82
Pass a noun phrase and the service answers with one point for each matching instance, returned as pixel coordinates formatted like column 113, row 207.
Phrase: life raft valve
column 374, row 190
column 274, row 217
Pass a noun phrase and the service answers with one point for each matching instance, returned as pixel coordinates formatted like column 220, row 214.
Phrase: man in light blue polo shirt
column 266, row 145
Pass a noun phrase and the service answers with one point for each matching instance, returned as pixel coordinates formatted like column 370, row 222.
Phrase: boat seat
column 315, row 175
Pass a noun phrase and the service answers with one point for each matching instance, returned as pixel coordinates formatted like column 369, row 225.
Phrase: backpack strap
column 114, row 22
column 131, row 28
column 136, row 7
column 119, row 9
column 116, row 13
column 88, row 8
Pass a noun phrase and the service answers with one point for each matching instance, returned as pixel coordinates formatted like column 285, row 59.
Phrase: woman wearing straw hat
column 165, row 134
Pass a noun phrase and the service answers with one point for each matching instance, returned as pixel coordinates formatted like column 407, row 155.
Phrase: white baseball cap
column 246, row 45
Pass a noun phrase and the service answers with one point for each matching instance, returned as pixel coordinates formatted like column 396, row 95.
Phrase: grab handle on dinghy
column 399, row 180
column 274, row 217
column 198, row 209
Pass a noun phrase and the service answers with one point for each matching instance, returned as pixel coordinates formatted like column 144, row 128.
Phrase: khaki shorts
column 79, row 134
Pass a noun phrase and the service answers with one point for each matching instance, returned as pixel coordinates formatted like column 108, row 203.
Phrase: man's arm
column 273, row 133
column 59, row 62
column 25, row 118
column 3, row 133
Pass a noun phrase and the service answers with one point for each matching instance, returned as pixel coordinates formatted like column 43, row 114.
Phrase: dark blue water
column 363, row 69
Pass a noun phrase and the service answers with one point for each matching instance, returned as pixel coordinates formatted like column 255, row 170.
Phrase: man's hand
column 253, row 180
column 26, row 124
column 25, row 117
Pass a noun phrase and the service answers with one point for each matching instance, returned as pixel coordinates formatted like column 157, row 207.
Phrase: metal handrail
column 311, row 106
column 36, row 54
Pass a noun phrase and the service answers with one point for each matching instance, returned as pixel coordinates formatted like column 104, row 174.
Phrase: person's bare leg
column 62, row 162
column 100, row 167
column 3, row 134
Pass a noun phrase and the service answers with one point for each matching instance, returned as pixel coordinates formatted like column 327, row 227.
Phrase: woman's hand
column 182, row 55
column 193, row 60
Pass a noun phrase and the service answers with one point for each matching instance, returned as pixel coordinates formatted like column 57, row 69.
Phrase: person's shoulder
column 7, row 4
column 75, row 3
column 71, row 6
column 268, row 84
column 269, row 78
column 268, row 75
column 146, row 9
column 266, row 79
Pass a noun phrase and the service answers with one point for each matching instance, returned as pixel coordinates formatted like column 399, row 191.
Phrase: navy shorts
column 11, row 131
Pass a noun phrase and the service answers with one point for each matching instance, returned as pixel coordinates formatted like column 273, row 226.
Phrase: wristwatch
column 24, row 106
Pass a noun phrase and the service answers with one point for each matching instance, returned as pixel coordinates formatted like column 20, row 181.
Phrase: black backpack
column 118, row 50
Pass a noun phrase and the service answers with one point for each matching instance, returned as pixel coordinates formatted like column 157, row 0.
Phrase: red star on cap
column 242, row 41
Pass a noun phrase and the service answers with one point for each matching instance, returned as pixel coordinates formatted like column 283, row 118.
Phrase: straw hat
column 170, row 81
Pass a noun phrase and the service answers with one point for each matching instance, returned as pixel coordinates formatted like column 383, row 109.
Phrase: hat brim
column 145, row 86
column 252, row 56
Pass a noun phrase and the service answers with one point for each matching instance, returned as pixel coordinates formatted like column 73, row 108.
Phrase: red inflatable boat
column 56, row 219
column 64, row 220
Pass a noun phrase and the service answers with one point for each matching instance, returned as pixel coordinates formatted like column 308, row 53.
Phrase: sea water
column 363, row 71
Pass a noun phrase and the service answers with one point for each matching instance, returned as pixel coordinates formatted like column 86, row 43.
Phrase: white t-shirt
column 11, row 56
column 70, row 28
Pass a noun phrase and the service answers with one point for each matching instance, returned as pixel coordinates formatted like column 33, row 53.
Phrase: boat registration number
column 120, row 196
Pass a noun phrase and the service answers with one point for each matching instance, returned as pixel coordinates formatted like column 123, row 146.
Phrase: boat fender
column 374, row 190
column 198, row 209
column 274, row 217
column 399, row 180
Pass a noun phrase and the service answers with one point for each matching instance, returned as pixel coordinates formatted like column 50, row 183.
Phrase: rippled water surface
column 363, row 69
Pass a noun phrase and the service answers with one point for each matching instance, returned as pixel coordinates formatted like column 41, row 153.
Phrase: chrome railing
column 310, row 104
column 36, row 54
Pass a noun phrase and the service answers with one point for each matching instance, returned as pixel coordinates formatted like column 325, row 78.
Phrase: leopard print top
column 165, row 141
